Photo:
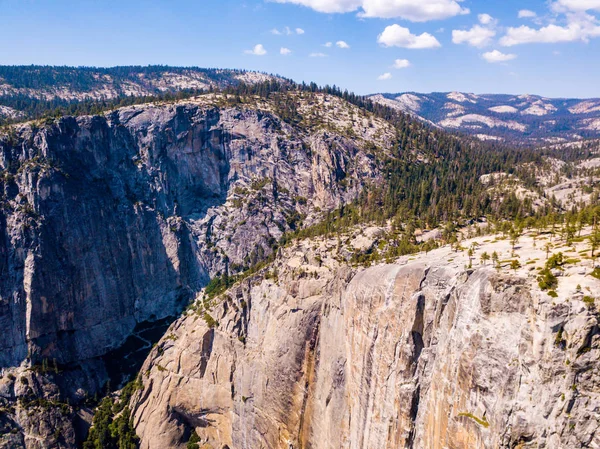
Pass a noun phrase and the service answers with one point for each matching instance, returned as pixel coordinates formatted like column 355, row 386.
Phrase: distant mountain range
column 29, row 91
column 517, row 119
column 94, row 83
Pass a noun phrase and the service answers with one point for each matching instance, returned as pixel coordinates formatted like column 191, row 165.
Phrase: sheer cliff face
column 115, row 220
column 424, row 355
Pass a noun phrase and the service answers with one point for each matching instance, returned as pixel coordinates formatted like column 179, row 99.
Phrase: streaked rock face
column 418, row 356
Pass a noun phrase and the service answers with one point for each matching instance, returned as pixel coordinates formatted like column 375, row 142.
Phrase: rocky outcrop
column 110, row 222
column 423, row 354
column 34, row 413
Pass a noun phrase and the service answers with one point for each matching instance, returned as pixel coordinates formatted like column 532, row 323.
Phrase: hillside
column 115, row 225
column 515, row 119
column 93, row 207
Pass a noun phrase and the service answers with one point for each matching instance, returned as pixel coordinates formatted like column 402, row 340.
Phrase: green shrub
column 110, row 430
column 559, row 340
column 258, row 184
column 218, row 285
column 127, row 392
column 555, row 261
column 210, row 321
column 193, row 441
column 546, row 280
column 589, row 301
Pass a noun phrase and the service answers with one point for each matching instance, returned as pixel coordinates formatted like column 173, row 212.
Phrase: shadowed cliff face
column 423, row 355
column 108, row 222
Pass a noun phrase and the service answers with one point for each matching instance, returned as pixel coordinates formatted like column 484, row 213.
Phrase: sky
column 550, row 48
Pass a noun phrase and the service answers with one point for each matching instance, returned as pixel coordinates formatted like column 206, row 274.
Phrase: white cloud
column 485, row 19
column 413, row 10
column 385, row 76
column 397, row 36
column 577, row 5
column 284, row 51
column 328, row 44
column 526, row 14
column 258, row 50
column 401, row 63
column 477, row 36
column 497, row 56
column 342, row 44
column 579, row 28
column 327, row 6
column 318, row 55
column 287, row 30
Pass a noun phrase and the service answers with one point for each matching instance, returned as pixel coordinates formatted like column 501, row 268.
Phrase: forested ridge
column 33, row 90
column 85, row 78
column 432, row 176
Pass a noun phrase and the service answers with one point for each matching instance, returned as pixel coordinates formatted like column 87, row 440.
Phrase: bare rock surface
column 422, row 353
column 110, row 225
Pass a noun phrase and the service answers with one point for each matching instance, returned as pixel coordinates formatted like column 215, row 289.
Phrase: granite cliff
column 422, row 353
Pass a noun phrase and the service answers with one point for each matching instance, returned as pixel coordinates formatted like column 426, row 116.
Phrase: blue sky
column 478, row 46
